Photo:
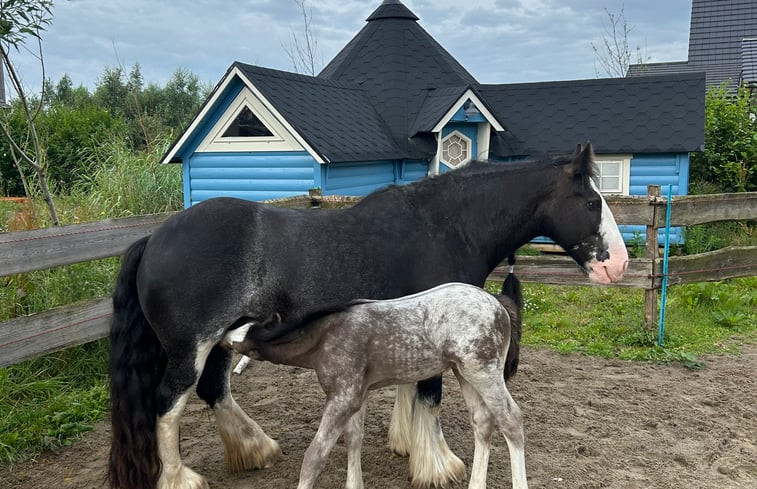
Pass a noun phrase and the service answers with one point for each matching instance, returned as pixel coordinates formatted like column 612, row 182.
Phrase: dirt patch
column 590, row 423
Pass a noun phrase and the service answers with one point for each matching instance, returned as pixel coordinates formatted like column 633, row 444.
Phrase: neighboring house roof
column 716, row 42
column 619, row 115
column 749, row 61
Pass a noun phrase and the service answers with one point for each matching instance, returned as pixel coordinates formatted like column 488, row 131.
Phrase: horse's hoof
column 184, row 478
column 253, row 454
column 435, row 469
column 454, row 473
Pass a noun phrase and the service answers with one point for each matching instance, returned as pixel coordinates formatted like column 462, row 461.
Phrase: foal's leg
column 483, row 423
column 247, row 446
column 432, row 463
column 401, row 426
column 338, row 411
column 172, row 394
column 353, row 437
column 491, row 387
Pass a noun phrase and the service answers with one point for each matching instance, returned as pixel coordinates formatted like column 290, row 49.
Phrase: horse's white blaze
column 612, row 269
column 401, row 424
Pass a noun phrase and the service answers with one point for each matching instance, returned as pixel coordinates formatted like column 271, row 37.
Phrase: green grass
column 47, row 402
column 703, row 318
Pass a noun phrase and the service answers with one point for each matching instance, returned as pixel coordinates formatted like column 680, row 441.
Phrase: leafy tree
column 729, row 159
column 21, row 20
column 182, row 97
column 111, row 91
column 72, row 133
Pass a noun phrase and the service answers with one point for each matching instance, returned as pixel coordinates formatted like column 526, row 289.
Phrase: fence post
column 651, row 248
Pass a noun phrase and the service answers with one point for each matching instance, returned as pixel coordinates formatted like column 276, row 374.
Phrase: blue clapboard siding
column 357, row 178
column 412, row 170
column 246, row 175
column 663, row 170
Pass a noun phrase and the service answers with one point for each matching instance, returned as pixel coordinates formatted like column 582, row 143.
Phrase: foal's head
column 578, row 219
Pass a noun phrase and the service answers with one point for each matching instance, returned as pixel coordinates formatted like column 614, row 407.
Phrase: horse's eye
column 593, row 204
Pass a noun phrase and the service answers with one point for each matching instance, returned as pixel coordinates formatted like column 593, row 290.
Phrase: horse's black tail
column 511, row 289
column 137, row 363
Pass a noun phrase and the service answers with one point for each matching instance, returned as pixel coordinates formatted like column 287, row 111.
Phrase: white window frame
column 465, row 138
column 280, row 140
column 624, row 174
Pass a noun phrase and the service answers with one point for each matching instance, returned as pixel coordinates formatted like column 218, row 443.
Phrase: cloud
column 498, row 41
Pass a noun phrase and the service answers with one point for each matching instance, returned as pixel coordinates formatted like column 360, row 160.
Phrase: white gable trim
column 482, row 141
column 479, row 105
column 236, row 72
column 280, row 140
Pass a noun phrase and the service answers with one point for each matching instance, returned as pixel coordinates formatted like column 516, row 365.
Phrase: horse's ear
column 578, row 150
column 583, row 161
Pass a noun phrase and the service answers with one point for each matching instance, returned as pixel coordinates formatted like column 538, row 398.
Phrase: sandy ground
column 590, row 423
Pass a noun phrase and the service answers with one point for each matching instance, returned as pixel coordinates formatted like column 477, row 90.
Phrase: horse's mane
column 473, row 168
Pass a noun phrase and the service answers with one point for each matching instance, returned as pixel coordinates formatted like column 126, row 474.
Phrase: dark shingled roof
column 619, row 115
column 336, row 118
column 396, row 62
column 436, row 103
column 718, row 28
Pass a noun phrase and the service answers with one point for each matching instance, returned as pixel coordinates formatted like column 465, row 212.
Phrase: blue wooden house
column 394, row 106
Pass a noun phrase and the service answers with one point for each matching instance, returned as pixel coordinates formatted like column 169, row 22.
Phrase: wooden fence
column 31, row 336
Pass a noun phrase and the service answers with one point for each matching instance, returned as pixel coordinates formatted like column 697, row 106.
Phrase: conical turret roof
column 397, row 62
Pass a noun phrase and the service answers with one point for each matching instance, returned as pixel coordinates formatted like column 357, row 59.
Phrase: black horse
column 227, row 263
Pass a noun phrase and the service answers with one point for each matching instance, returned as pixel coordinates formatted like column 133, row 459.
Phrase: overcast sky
column 498, row 41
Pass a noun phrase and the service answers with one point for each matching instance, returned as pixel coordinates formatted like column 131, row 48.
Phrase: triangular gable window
column 247, row 125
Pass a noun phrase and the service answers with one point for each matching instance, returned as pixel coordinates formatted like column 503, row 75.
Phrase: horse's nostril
column 603, row 255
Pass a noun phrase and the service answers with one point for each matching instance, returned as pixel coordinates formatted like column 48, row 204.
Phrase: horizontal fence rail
column 27, row 251
column 31, row 336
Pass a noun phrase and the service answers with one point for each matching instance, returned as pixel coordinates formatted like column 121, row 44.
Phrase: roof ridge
column 392, row 9
column 299, row 77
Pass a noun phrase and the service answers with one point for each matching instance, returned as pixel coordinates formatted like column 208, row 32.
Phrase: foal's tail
column 511, row 289
column 137, row 362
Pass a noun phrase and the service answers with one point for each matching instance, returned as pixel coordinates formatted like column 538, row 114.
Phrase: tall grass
column 124, row 183
column 49, row 401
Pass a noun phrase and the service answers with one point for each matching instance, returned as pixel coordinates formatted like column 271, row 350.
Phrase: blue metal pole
column 663, row 299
